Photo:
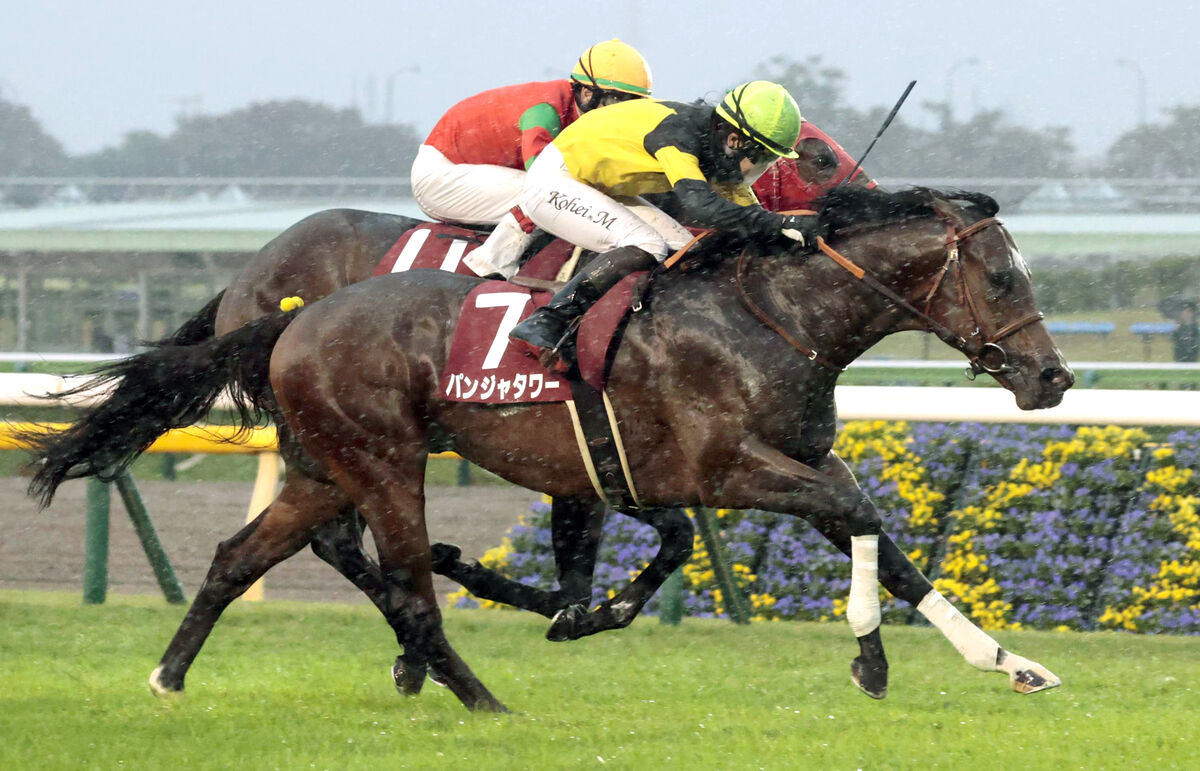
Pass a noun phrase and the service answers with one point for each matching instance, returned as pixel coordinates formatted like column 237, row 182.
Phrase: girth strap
column 600, row 446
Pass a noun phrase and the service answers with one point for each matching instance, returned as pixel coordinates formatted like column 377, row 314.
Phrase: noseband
column 982, row 350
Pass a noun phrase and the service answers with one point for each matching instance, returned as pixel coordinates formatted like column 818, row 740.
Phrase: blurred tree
column 987, row 144
column 291, row 138
column 266, row 139
column 140, row 154
column 1159, row 150
column 25, row 147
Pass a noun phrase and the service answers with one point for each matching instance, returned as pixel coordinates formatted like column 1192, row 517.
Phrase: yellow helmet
column 613, row 66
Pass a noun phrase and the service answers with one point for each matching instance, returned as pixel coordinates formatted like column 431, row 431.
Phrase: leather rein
column 982, row 350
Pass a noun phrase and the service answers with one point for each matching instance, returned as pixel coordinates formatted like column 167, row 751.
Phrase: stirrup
column 558, row 358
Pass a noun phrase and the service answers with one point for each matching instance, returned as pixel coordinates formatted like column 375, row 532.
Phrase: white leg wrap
column 501, row 251
column 862, row 611
column 1013, row 663
column 975, row 645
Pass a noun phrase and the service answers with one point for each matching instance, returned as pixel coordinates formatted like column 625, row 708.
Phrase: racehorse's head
column 983, row 294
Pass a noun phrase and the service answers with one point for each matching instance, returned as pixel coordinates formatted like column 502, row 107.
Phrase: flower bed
column 1019, row 526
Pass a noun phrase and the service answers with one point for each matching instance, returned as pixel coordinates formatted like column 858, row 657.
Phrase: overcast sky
column 92, row 71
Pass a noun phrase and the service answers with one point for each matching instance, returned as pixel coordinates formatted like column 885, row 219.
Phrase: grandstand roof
column 168, row 226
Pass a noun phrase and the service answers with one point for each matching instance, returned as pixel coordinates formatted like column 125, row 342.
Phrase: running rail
column 1084, row 406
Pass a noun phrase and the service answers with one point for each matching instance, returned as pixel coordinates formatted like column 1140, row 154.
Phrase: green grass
column 289, row 685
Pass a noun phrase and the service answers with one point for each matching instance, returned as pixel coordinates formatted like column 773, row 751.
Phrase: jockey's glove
column 802, row 228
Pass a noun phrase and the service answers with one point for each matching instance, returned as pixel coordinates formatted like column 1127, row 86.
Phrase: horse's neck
column 826, row 308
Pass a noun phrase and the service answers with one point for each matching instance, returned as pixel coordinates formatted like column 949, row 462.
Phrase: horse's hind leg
column 339, row 543
column 677, row 533
column 385, row 475
column 575, row 528
column 279, row 532
column 904, row 580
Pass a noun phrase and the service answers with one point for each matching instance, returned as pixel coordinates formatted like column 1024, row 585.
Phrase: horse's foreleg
column 904, row 580
column 575, row 526
column 677, row 533
column 766, row 478
column 279, row 532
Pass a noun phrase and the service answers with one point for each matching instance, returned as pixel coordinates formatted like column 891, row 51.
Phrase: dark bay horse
column 338, row 247
column 312, row 259
column 777, row 328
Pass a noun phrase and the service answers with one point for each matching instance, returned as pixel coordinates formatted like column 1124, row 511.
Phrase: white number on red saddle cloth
column 482, row 366
column 435, row 245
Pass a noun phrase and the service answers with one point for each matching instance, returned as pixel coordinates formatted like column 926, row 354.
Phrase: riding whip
column 887, row 122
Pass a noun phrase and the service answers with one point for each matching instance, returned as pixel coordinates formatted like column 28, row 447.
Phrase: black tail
column 171, row 386
column 197, row 329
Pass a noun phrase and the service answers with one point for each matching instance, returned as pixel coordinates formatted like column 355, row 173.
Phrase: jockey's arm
column 539, row 126
column 706, row 207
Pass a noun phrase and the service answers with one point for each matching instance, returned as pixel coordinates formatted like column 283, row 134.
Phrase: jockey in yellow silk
column 471, row 168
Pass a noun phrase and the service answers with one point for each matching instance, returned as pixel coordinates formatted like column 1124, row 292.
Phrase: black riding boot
column 542, row 334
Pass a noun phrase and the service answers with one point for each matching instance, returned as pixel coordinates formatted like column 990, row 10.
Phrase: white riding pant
column 575, row 211
column 473, row 194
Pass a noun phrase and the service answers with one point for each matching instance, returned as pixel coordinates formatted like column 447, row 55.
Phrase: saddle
column 482, row 368
column 546, row 265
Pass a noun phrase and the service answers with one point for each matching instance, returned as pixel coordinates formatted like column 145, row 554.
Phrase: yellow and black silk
column 648, row 146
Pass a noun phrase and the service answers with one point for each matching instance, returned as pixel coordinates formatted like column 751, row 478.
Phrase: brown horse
column 312, row 259
column 338, row 247
column 777, row 327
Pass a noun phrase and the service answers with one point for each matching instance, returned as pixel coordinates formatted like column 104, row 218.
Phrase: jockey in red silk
column 472, row 166
column 781, row 188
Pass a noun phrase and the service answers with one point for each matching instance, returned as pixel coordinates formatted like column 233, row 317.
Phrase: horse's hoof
column 160, row 689
column 488, row 705
column 869, row 676
column 1033, row 679
column 408, row 679
column 445, row 555
column 565, row 624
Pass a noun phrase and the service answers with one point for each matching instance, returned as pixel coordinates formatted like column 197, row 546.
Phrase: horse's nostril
column 1058, row 376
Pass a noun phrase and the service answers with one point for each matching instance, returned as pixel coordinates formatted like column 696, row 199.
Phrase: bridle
column 983, row 350
column 980, row 345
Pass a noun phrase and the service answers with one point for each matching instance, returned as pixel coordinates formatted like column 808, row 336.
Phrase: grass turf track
column 291, row 685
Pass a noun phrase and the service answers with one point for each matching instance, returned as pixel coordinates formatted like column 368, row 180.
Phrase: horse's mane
column 849, row 207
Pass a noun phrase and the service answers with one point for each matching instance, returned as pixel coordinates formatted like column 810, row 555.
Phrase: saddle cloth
column 441, row 246
column 481, row 368
column 484, row 368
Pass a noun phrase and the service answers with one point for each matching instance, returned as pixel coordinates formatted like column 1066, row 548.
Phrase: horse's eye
column 1001, row 280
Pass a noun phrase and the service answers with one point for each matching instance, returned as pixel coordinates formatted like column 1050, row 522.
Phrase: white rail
column 986, row 405
column 15, row 357
column 1084, row 406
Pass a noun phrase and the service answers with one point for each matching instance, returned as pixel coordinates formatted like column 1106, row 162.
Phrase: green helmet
column 765, row 112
